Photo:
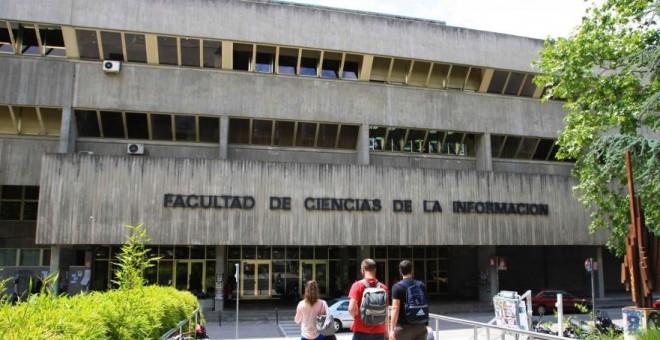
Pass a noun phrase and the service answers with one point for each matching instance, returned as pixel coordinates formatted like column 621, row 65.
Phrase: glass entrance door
column 256, row 279
column 188, row 275
column 314, row 270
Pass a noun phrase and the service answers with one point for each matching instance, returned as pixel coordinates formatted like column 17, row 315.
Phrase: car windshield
column 333, row 301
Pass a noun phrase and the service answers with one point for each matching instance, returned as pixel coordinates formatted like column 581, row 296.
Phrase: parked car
column 339, row 309
column 545, row 300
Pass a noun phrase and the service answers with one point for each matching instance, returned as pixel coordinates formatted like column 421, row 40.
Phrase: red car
column 544, row 302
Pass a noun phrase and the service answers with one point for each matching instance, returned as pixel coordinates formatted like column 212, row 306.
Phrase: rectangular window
column 6, row 121
column 112, row 47
column 351, row 68
column 27, row 120
column 331, row 64
column 87, row 123
column 309, row 63
column 264, row 62
column 18, row 203
column 52, row 120
column 189, row 52
column 457, row 77
column 377, row 137
column 10, row 211
column 262, row 131
column 52, row 40
column 8, row 257
column 415, row 141
column 137, row 125
column 515, row 81
column 161, row 127
column 400, row 69
column 136, row 48
column 29, row 39
column 212, row 54
column 306, row 134
column 327, row 135
column 528, row 88
column 288, row 62
column 496, row 144
column 209, row 129
column 112, row 123
column 395, row 139
column 527, row 147
column 284, row 133
column 497, row 81
column 30, row 257
column 454, row 144
column 185, row 128
column 5, row 38
column 242, row 57
column 87, row 44
column 510, row 147
column 434, row 141
column 380, row 69
column 167, row 51
column 419, row 73
column 239, row 131
column 438, row 77
column 543, row 149
column 348, row 137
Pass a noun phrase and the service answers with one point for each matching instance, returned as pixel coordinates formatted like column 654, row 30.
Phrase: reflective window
column 262, row 131
column 306, row 134
column 309, row 63
column 88, row 124
column 327, row 135
column 350, row 70
column 209, row 129
column 87, row 44
column 167, row 51
column 189, row 52
column 112, row 124
column 348, row 137
column 264, row 62
column 242, row 57
column 239, row 131
column 185, row 128
column 161, row 127
column 18, row 203
column 112, row 47
column 287, row 64
column 283, row 133
column 331, row 64
column 438, row 78
column 212, row 54
column 136, row 49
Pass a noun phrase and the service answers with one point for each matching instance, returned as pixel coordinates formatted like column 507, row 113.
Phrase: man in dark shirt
column 400, row 329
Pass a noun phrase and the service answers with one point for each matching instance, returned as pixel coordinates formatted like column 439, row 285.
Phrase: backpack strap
column 366, row 284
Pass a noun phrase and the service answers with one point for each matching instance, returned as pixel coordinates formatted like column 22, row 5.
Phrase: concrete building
column 292, row 140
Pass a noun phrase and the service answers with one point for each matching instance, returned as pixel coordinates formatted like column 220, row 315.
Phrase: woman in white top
column 308, row 309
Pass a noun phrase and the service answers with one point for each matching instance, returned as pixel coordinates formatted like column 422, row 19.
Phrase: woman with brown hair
column 308, row 309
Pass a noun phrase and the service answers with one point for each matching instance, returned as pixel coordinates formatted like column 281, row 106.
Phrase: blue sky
column 529, row 18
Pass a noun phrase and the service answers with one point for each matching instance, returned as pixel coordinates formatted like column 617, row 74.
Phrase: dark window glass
column 284, row 133
column 136, row 49
column 167, row 54
column 308, row 66
column 113, row 126
column 5, row 38
column 510, row 147
column 377, row 138
column 262, row 131
column 239, row 131
column 30, row 42
column 30, row 211
column 242, row 60
column 434, row 141
column 31, row 192
column 330, row 68
column 415, row 142
column 348, row 136
column 395, row 139
column 14, row 192
column 10, row 211
column 515, row 81
column 528, row 88
column 209, row 128
column 526, row 149
column 287, row 64
column 454, row 144
column 469, row 143
column 112, row 49
column 45, row 260
column 137, row 125
column 88, row 123
column 102, row 253
column 189, row 52
column 545, row 145
column 185, row 128
column 264, row 63
column 197, row 252
column 161, row 127
column 553, row 153
column 87, row 44
column 350, row 70
column 52, row 40
column 497, row 82
column 234, row 252
column 327, row 135
column 306, row 134
column 496, row 143
column 182, row 252
column 212, row 54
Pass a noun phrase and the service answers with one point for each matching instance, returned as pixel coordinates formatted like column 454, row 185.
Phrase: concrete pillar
column 488, row 274
column 363, row 145
column 484, row 154
column 220, row 269
column 601, row 276
column 224, row 137
column 55, row 266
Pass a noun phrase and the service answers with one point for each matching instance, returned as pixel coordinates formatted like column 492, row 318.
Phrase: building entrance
column 189, row 274
column 256, row 279
column 314, row 270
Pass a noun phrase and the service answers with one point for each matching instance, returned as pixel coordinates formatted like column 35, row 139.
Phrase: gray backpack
column 373, row 308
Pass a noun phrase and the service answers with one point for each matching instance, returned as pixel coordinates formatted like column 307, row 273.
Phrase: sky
column 528, row 18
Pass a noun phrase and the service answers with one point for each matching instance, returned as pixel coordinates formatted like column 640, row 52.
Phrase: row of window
column 38, row 39
column 528, row 148
column 30, row 120
column 292, row 133
column 407, row 140
column 166, row 252
column 12, row 257
column 19, row 203
column 147, row 126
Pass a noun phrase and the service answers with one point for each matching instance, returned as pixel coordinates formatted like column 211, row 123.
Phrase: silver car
column 339, row 310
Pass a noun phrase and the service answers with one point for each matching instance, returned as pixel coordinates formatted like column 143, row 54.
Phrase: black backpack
column 416, row 307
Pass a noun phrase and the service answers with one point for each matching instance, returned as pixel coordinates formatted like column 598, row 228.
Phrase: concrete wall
column 86, row 200
column 532, row 167
column 422, row 161
column 20, row 158
column 240, row 152
column 288, row 24
column 35, row 81
column 151, row 149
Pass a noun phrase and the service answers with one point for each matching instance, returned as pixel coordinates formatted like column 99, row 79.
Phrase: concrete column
column 488, row 279
column 68, row 131
column 220, row 269
column 363, row 145
column 55, row 267
column 601, row 276
column 224, row 137
column 484, row 154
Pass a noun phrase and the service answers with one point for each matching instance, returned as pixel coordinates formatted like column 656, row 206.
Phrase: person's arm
column 299, row 314
column 396, row 304
column 352, row 308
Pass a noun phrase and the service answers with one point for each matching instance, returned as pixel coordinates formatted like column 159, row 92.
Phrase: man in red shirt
column 360, row 330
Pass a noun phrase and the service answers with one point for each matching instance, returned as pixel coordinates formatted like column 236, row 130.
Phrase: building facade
column 284, row 140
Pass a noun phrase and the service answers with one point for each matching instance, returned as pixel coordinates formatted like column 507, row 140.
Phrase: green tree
column 134, row 259
column 607, row 72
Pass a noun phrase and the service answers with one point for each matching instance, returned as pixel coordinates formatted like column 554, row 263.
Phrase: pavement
column 273, row 319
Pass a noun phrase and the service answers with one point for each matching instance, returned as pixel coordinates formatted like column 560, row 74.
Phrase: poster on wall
column 510, row 311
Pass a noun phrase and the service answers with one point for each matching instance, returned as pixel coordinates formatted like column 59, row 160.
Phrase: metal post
column 560, row 314
column 238, row 289
column 593, row 292
column 277, row 317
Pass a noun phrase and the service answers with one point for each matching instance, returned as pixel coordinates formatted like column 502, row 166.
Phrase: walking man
column 410, row 312
column 368, row 304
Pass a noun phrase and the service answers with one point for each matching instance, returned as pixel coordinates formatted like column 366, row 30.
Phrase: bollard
column 220, row 319
column 277, row 317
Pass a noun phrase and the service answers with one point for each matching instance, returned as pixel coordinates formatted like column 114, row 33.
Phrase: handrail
column 488, row 327
column 179, row 327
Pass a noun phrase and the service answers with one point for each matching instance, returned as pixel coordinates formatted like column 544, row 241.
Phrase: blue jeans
column 368, row 336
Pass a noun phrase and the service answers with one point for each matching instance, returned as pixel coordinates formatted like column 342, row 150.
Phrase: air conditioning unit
column 111, row 66
column 135, row 149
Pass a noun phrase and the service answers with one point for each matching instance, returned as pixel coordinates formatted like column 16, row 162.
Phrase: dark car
column 545, row 300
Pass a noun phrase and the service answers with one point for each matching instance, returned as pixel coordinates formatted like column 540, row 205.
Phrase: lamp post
column 238, row 294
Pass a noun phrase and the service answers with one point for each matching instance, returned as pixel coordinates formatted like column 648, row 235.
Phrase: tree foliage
column 607, row 71
column 134, row 259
